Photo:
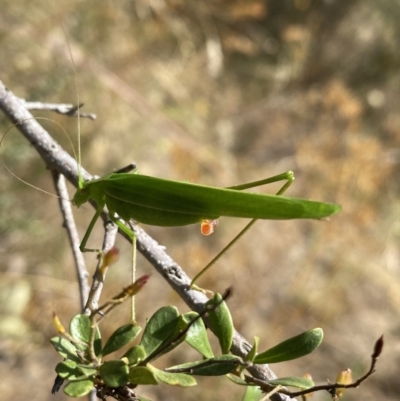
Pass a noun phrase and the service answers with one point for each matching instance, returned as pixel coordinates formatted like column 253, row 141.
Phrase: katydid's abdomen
column 161, row 202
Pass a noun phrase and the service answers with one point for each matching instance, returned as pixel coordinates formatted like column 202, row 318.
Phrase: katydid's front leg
column 82, row 246
column 118, row 222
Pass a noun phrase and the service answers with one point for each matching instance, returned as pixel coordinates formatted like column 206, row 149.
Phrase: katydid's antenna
column 80, row 180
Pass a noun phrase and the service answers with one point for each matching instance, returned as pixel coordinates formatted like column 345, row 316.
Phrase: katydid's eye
column 208, row 226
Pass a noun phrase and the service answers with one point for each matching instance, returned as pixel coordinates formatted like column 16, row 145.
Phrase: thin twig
column 127, row 292
column 82, row 273
column 56, row 158
column 61, row 108
column 330, row 387
column 73, row 236
column 110, row 236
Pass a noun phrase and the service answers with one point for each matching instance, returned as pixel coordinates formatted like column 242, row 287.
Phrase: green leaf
column 174, row 340
column 114, row 373
column 252, row 393
column 253, row 352
column 217, row 366
column 135, row 354
column 141, row 375
column 197, row 337
column 160, row 327
column 65, row 348
column 87, row 370
column 292, row 348
column 220, row 322
column 67, row 369
column 79, row 329
column 78, row 388
column 173, row 379
column 122, row 336
column 299, row 382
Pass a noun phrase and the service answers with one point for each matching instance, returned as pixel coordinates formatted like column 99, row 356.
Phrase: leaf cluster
column 164, row 331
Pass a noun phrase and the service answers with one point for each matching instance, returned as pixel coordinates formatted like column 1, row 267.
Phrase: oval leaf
column 220, row 322
column 299, row 382
column 292, row 348
column 176, row 338
column 122, row 336
column 141, row 375
column 135, row 354
column 79, row 329
column 78, row 388
column 114, row 373
column 87, row 370
column 173, row 379
column 217, row 366
column 159, row 328
column 65, row 348
column 197, row 337
column 67, row 369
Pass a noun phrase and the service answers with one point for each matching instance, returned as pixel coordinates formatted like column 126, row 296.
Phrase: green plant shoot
column 168, row 203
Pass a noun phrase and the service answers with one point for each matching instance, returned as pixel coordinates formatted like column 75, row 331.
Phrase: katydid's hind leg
column 288, row 176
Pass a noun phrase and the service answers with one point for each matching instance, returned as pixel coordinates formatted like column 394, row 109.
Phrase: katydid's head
column 81, row 196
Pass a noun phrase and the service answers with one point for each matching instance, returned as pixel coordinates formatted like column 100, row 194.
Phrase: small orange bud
column 208, row 226
column 109, row 258
column 134, row 288
column 57, row 324
column 344, row 377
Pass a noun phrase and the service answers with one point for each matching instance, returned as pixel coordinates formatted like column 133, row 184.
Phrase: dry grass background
column 218, row 92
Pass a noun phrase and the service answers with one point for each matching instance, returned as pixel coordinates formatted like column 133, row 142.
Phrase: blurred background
column 220, row 93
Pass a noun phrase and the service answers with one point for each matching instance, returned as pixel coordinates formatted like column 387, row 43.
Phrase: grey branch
column 69, row 224
column 56, row 158
column 61, row 108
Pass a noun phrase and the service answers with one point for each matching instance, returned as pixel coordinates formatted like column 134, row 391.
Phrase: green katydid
column 168, row 203
column 162, row 202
